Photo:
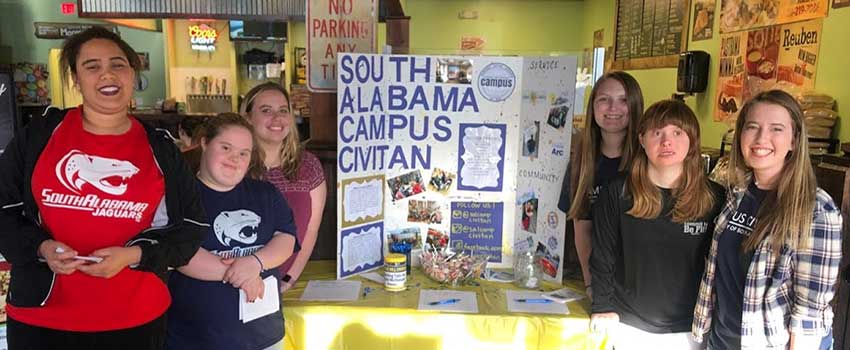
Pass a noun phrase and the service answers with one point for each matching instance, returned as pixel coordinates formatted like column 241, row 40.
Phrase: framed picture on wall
column 840, row 3
column 144, row 59
column 300, row 76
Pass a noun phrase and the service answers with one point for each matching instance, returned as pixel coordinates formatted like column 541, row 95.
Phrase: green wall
column 21, row 45
column 510, row 27
column 832, row 75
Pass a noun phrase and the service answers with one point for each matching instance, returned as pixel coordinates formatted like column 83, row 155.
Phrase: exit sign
column 69, row 8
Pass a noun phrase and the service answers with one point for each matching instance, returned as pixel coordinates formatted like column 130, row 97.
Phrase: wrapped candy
column 452, row 268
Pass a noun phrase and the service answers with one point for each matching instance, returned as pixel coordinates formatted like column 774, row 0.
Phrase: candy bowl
column 452, row 268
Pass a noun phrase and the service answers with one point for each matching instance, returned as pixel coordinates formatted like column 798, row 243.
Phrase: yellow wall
column 832, row 75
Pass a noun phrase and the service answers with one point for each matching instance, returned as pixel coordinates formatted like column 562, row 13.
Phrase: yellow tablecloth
column 386, row 320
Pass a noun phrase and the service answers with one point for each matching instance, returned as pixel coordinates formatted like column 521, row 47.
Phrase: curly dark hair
column 71, row 48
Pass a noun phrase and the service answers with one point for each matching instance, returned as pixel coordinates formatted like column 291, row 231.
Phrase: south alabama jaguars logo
column 108, row 175
column 238, row 225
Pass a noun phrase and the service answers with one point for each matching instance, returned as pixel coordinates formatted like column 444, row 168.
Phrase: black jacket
column 176, row 233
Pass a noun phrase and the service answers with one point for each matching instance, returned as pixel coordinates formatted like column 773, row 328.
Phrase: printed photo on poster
column 441, row 181
column 738, row 15
column 530, row 140
column 409, row 235
column 549, row 261
column 437, row 239
column 424, row 211
column 406, row 185
column 703, row 19
column 559, row 112
column 761, row 59
column 529, row 215
column 481, row 156
column 454, row 71
column 730, row 82
column 300, row 76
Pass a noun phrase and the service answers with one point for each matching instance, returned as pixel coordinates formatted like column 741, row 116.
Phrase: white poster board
column 466, row 152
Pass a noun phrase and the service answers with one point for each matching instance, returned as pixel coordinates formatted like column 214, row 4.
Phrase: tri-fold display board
column 452, row 151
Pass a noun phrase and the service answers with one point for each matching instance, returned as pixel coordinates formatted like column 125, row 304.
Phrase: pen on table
column 533, row 301
column 444, row 302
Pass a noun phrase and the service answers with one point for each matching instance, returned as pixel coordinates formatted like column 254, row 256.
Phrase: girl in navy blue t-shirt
column 251, row 232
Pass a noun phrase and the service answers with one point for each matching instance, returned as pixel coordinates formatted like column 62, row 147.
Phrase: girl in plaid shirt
column 774, row 258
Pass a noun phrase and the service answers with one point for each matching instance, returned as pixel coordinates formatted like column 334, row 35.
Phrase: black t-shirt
column 606, row 170
column 648, row 270
column 731, row 274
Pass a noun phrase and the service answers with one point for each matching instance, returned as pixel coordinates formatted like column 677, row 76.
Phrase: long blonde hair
column 785, row 216
column 290, row 150
column 693, row 195
column 584, row 164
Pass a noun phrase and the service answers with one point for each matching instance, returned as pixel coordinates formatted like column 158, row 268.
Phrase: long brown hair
column 584, row 164
column 213, row 126
column 290, row 150
column 785, row 216
column 693, row 195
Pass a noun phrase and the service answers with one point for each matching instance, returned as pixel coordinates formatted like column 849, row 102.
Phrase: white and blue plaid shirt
column 784, row 294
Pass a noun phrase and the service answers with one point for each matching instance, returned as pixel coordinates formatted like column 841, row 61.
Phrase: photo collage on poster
column 438, row 147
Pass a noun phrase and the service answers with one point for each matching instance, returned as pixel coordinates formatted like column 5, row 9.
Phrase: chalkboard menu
column 8, row 114
column 650, row 33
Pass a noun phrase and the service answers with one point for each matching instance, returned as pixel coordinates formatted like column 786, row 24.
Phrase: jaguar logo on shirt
column 237, row 225
column 76, row 169
column 695, row 228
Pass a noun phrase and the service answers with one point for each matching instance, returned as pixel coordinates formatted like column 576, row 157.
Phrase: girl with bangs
column 603, row 151
column 652, row 229
column 775, row 255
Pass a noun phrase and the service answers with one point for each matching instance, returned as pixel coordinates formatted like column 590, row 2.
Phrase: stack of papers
column 269, row 303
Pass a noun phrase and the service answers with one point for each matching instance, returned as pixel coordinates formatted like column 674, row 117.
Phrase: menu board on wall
column 650, row 33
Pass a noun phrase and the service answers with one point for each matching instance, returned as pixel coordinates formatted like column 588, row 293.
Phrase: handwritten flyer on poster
column 361, row 250
column 730, row 88
column 477, row 227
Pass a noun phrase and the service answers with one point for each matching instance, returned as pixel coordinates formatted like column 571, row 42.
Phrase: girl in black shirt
column 651, row 233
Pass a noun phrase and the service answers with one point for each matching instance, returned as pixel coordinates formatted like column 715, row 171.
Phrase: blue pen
column 534, row 301
column 444, row 302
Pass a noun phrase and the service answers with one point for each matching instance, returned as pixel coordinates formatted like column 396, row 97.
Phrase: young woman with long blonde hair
column 602, row 152
column 296, row 173
column 651, row 230
column 774, row 259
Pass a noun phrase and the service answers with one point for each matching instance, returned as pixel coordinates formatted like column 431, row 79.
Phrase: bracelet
column 262, row 267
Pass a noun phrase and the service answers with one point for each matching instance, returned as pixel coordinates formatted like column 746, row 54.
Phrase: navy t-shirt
column 606, row 170
column 731, row 273
column 205, row 314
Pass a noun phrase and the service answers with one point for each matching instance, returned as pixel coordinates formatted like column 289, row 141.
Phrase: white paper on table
column 269, row 303
column 481, row 157
column 331, row 290
column 468, row 301
column 363, row 200
column 373, row 276
column 563, row 295
column 534, row 308
column 361, row 249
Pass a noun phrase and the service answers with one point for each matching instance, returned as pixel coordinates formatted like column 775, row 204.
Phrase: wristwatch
column 286, row 278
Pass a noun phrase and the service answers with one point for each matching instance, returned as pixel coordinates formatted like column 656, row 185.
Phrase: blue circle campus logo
column 496, row 82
